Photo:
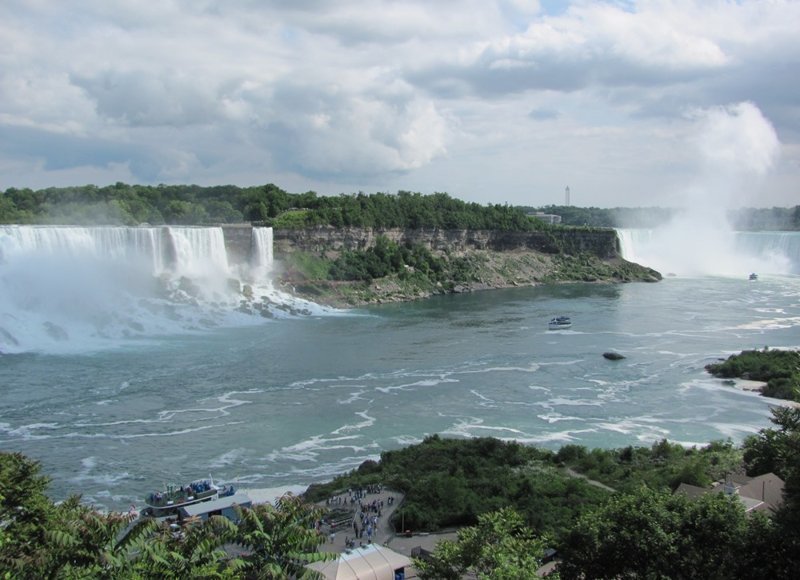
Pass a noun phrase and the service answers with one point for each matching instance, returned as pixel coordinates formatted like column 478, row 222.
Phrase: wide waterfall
column 712, row 252
column 66, row 289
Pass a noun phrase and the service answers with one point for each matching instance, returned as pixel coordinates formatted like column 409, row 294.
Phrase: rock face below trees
column 327, row 239
column 472, row 260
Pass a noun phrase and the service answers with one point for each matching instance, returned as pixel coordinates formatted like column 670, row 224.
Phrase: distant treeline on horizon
column 123, row 204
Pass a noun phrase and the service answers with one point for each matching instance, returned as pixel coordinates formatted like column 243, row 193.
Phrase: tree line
column 744, row 219
column 122, row 204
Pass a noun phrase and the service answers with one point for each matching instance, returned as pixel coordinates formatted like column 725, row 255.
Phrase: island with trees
column 777, row 369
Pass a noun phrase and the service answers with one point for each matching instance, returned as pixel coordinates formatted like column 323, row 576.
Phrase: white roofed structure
column 372, row 562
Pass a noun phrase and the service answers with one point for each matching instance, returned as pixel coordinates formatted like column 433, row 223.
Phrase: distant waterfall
column 712, row 252
column 64, row 288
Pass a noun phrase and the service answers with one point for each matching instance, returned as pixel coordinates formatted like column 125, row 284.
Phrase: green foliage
column 760, row 219
column 279, row 539
column 386, row 258
column 655, row 534
column 39, row 539
column 780, row 369
column 311, row 267
column 664, row 465
column 777, row 450
column 500, row 546
column 293, row 219
column 24, row 512
column 194, row 205
column 451, row 482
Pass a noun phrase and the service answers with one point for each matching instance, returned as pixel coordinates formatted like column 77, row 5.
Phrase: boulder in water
column 613, row 355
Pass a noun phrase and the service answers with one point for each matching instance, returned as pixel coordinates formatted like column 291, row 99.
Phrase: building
column 546, row 217
column 224, row 506
column 764, row 492
column 371, row 562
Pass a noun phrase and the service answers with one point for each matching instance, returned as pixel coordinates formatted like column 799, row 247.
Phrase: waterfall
column 117, row 243
column 68, row 288
column 198, row 252
column 261, row 248
column 727, row 253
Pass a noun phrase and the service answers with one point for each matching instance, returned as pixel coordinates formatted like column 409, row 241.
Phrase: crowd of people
column 365, row 516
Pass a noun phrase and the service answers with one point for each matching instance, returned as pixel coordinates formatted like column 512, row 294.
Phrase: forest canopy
column 269, row 205
column 123, row 204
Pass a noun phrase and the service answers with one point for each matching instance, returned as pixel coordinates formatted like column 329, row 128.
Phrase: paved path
column 573, row 473
column 385, row 533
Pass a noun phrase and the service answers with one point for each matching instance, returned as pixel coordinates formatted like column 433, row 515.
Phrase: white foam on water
column 556, row 417
column 483, row 399
column 309, row 449
column 367, row 422
column 411, row 386
column 228, row 458
column 406, row 440
column 563, row 401
column 733, row 431
column 354, row 396
column 532, row 368
column 567, row 436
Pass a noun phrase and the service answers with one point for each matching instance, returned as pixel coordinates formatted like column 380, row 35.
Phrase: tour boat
column 559, row 322
column 168, row 502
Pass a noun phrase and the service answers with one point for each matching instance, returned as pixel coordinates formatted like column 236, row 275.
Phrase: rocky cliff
column 329, row 240
column 488, row 259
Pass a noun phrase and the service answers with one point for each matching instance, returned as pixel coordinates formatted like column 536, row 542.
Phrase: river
column 294, row 399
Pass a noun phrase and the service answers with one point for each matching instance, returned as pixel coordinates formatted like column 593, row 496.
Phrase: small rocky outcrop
column 613, row 355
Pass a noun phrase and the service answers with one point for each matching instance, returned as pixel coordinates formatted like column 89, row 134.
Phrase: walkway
column 385, row 533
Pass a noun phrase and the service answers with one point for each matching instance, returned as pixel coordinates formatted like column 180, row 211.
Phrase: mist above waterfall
column 735, row 147
column 66, row 289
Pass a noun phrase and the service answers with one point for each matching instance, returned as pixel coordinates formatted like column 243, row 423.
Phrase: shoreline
column 757, row 387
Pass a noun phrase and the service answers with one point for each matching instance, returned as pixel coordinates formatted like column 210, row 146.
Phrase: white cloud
column 489, row 100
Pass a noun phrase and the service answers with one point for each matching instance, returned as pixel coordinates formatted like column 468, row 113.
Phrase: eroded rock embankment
column 496, row 260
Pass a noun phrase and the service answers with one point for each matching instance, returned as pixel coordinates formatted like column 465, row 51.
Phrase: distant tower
column 566, row 196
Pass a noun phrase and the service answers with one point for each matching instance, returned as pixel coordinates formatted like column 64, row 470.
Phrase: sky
column 629, row 103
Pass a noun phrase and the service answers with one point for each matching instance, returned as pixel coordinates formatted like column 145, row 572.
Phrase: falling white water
column 261, row 255
column 737, row 253
column 66, row 289
column 735, row 146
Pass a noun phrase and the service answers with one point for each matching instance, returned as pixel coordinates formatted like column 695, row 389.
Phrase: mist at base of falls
column 690, row 248
column 72, row 289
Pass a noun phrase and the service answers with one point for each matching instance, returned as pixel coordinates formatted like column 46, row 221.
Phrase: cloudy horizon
column 628, row 103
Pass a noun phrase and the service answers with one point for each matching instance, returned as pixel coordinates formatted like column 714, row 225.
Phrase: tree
column 655, row 534
column 194, row 552
column 24, row 513
column 279, row 540
column 501, row 546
